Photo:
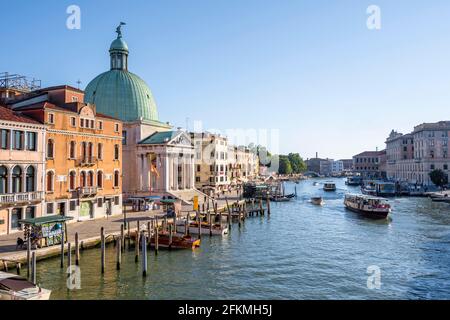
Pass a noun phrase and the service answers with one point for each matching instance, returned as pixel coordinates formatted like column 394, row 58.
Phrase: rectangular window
column 82, row 123
column 31, row 141
column 92, row 124
column 73, row 205
column 73, row 121
column 116, row 201
column 29, row 213
column 445, row 166
column 16, row 215
column 100, row 202
column 50, row 208
column 198, row 168
column 4, row 139
column 18, row 140
column 100, row 125
column 124, row 137
column 116, row 127
column 197, row 179
column 51, row 118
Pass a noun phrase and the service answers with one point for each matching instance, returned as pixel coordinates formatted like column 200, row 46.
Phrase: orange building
column 83, row 174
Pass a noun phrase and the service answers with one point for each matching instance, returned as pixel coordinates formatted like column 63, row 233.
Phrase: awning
column 45, row 220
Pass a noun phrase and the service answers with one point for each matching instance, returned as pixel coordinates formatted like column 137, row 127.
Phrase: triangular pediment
column 180, row 139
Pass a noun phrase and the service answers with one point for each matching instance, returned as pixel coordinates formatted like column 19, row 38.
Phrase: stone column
column 188, row 171
column 145, row 170
column 149, row 175
column 192, row 172
column 166, row 173
column 175, row 172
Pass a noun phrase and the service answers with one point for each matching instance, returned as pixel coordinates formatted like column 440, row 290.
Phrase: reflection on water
column 301, row 252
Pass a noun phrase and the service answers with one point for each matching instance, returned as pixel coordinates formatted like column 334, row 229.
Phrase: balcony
column 26, row 197
column 86, row 161
column 87, row 191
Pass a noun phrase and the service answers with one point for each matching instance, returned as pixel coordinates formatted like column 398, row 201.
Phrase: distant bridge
column 311, row 174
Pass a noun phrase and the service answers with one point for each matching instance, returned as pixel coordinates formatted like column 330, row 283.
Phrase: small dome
column 119, row 45
column 123, row 95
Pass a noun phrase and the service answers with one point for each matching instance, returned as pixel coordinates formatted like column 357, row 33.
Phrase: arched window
column 72, row 149
column 49, row 180
column 83, row 179
column 72, row 177
column 50, row 148
column 90, row 179
column 17, row 179
column 3, row 180
column 116, row 179
column 30, row 179
column 100, row 151
column 100, row 179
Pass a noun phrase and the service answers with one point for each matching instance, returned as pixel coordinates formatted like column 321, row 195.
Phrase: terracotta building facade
column 83, row 154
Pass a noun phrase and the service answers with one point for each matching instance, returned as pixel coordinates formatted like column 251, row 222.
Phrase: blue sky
column 310, row 69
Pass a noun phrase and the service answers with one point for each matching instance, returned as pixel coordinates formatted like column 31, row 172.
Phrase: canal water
column 301, row 252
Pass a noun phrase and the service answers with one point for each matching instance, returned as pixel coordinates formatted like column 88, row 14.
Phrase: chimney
column 317, row 155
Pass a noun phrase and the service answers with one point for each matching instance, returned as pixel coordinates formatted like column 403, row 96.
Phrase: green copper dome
column 123, row 95
column 120, row 93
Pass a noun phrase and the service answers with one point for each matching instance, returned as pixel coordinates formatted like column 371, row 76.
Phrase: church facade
column 157, row 160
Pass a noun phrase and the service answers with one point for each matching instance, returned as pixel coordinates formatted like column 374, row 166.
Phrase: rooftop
column 10, row 115
column 159, row 137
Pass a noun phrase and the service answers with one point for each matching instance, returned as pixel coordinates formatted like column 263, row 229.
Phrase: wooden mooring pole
column 170, row 236
column 268, row 205
column 33, row 263
column 199, row 225
column 28, row 257
column 18, row 267
column 122, row 237
column 69, row 254
column 144, row 255
column 119, row 252
column 210, row 224
column 62, row 250
column 136, row 247
column 102, row 248
column 77, row 250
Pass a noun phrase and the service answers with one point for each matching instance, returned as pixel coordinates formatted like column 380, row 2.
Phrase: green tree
column 439, row 177
column 297, row 163
column 285, row 165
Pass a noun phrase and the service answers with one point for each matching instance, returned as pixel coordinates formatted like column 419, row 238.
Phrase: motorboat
column 14, row 287
column 353, row 181
column 174, row 241
column 329, row 186
column 317, row 201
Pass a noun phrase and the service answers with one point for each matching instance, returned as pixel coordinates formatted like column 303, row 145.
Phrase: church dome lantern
column 118, row 92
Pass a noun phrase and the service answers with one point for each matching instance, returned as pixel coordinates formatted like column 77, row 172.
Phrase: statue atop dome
column 119, row 29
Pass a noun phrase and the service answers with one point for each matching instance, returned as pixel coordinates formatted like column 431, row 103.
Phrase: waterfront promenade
column 89, row 231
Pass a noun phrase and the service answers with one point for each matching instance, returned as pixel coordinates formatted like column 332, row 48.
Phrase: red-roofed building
column 22, row 167
column 83, row 152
